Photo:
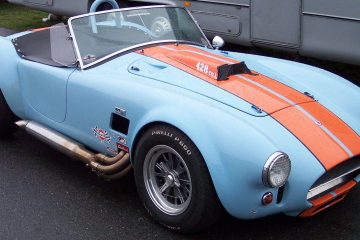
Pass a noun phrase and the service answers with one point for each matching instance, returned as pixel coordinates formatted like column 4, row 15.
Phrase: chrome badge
column 120, row 111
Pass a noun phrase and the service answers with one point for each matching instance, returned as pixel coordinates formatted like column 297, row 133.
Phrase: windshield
column 99, row 36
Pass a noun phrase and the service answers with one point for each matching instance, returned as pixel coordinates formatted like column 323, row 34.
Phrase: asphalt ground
column 46, row 195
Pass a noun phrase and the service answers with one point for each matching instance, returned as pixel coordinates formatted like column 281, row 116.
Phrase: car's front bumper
column 329, row 199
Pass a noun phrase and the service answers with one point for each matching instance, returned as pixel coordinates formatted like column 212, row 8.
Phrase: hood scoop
column 227, row 70
column 206, row 66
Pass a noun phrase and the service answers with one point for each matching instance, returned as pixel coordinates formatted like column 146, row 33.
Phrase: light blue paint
column 333, row 92
column 45, row 88
column 291, row 103
column 234, row 140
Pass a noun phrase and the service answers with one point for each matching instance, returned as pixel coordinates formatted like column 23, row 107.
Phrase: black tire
column 203, row 207
column 7, row 119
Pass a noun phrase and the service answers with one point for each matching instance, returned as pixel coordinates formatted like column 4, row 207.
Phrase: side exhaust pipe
column 107, row 167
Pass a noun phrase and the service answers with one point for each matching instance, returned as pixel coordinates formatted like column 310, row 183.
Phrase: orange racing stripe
column 46, row 28
column 185, row 52
column 40, row 29
column 331, row 142
column 323, row 146
column 335, row 125
column 248, row 92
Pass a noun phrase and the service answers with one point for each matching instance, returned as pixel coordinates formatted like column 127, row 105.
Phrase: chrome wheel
column 167, row 180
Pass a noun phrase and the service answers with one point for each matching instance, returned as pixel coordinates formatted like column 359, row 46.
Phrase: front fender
column 220, row 145
column 235, row 148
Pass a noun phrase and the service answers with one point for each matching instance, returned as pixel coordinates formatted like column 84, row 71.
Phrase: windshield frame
column 134, row 47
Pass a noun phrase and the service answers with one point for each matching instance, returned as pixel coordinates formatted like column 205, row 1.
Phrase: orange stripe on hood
column 322, row 132
column 245, row 90
column 317, row 139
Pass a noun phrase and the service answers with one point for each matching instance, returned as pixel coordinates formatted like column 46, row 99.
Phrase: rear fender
column 9, row 81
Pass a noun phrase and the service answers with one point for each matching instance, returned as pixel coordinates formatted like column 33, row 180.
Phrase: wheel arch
column 149, row 125
column 142, row 128
column 7, row 118
column 140, row 133
column 7, row 106
column 156, row 118
column 217, row 147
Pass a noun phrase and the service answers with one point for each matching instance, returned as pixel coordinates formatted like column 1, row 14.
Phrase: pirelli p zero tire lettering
column 7, row 118
column 173, row 181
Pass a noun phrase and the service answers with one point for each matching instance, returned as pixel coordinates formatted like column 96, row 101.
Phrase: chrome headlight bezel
column 272, row 162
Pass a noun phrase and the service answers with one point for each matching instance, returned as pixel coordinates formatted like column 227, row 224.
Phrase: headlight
column 276, row 170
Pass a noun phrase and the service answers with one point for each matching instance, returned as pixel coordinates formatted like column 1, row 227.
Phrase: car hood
column 259, row 92
column 214, row 76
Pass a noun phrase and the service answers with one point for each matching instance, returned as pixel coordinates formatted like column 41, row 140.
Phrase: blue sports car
column 203, row 129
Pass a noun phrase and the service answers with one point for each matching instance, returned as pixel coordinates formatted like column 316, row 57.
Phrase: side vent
column 119, row 123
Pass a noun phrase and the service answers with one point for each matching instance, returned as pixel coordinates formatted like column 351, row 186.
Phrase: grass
column 21, row 18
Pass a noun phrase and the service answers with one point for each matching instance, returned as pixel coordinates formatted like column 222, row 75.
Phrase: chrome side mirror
column 218, row 42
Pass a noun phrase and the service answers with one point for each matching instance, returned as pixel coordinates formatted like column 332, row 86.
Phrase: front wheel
column 173, row 180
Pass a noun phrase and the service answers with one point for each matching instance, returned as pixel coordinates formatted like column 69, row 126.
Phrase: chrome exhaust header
column 108, row 167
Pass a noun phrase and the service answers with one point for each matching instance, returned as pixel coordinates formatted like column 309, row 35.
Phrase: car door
column 48, row 60
column 44, row 89
column 98, row 100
